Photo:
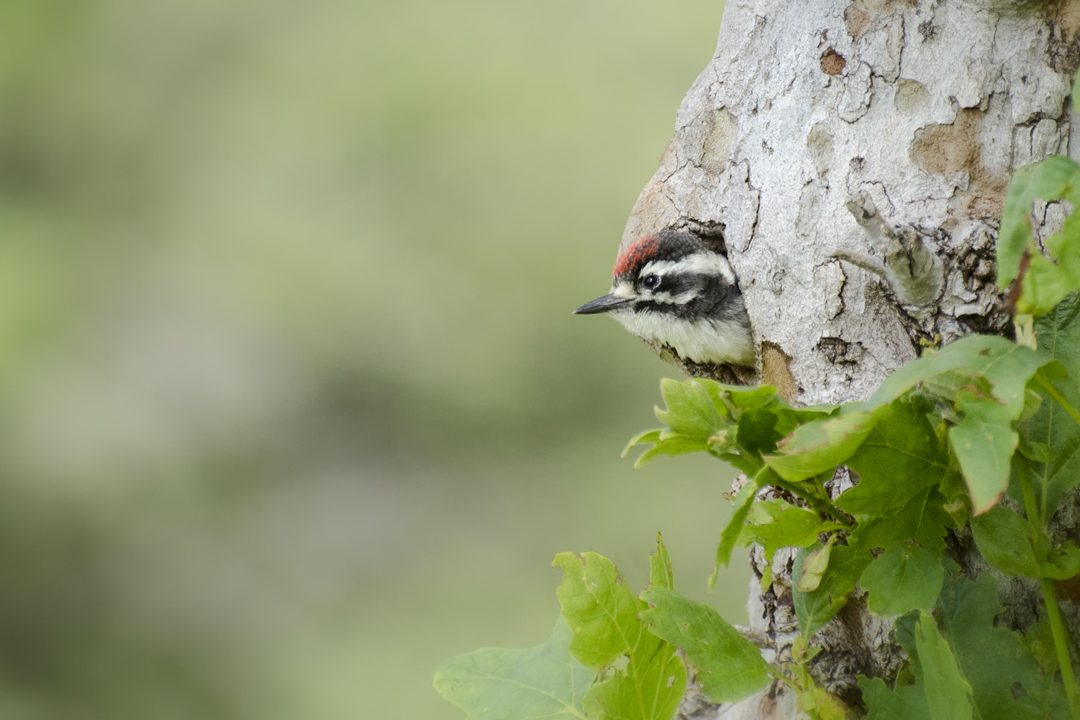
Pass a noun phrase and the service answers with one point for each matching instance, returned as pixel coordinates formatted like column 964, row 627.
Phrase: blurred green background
column 292, row 404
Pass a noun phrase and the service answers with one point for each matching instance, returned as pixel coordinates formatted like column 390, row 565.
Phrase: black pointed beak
column 602, row 305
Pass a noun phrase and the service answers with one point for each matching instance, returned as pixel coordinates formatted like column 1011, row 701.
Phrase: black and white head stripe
column 667, row 245
column 671, row 268
column 675, row 289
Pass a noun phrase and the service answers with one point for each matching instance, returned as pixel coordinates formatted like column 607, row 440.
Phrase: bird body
column 674, row 289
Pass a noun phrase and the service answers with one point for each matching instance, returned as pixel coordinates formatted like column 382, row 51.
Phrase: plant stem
column 822, row 506
column 1053, row 612
column 1061, row 644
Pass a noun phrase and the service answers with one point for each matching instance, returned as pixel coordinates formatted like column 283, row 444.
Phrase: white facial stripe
column 623, row 289
column 680, row 299
column 706, row 263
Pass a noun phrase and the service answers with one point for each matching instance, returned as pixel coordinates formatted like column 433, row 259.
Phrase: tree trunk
column 853, row 158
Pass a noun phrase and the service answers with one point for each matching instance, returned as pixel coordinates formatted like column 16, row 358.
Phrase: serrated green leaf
column 730, row 534
column 1005, row 365
column 728, row 666
column 690, row 409
column 653, row 693
column 922, row 519
column 672, row 444
column 602, row 614
column 757, row 432
column 1006, row 682
column 948, row 695
column 820, row 445
column 774, row 524
column 1059, row 335
column 1061, row 563
column 1004, row 539
column 501, row 684
column 661, row 574
column 902, row 579
column 599, row 608
column 814, row 609
column 899, row 459
column 648, row 437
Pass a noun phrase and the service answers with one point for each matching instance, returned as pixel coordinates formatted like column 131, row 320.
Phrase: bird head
column 675, row 289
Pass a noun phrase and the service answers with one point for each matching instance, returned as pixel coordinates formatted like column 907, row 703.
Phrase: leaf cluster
column 936, row 448
column 611, row 655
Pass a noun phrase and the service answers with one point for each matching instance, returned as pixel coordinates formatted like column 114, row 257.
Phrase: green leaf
column 1004, row 539
column 775, row 524
column 690, row 409
column 653, row 693
column 1037, row 452
column 904, row 703
column 739, row 396
column 814, row 609
column 1005, row 365
column 730, row 534
column 500, row 684
column 649, row 437
column 660, row 572
column 1050, row 179
column 1062, row 563
column 1006, row 681
column 922, row 519
column 899, row 459
column 984, row 443
column 757, row 433
column 1059, row 335
column 602, row 613
column 819, row 703
column 600, row 609
column 948, row 695
column 813, row 567
column 986, row 378
column 670, row 443
column 1038, row 642
column 1049, row 279
column 902, row 579
column 820, row 445
column 729, row 668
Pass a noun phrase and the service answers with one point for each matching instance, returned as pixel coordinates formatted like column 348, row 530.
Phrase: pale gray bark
column 854, row 157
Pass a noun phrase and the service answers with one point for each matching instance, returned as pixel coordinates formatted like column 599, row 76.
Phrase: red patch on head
column 636, row 255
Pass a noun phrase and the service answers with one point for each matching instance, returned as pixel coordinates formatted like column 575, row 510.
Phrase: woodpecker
column 674, row 289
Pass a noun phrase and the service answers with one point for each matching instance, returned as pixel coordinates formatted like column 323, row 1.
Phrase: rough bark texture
column 852, row 157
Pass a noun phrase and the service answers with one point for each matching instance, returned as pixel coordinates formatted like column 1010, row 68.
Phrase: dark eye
column 650, row 282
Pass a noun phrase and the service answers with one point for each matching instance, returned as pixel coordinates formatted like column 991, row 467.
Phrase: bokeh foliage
column 293, row 403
